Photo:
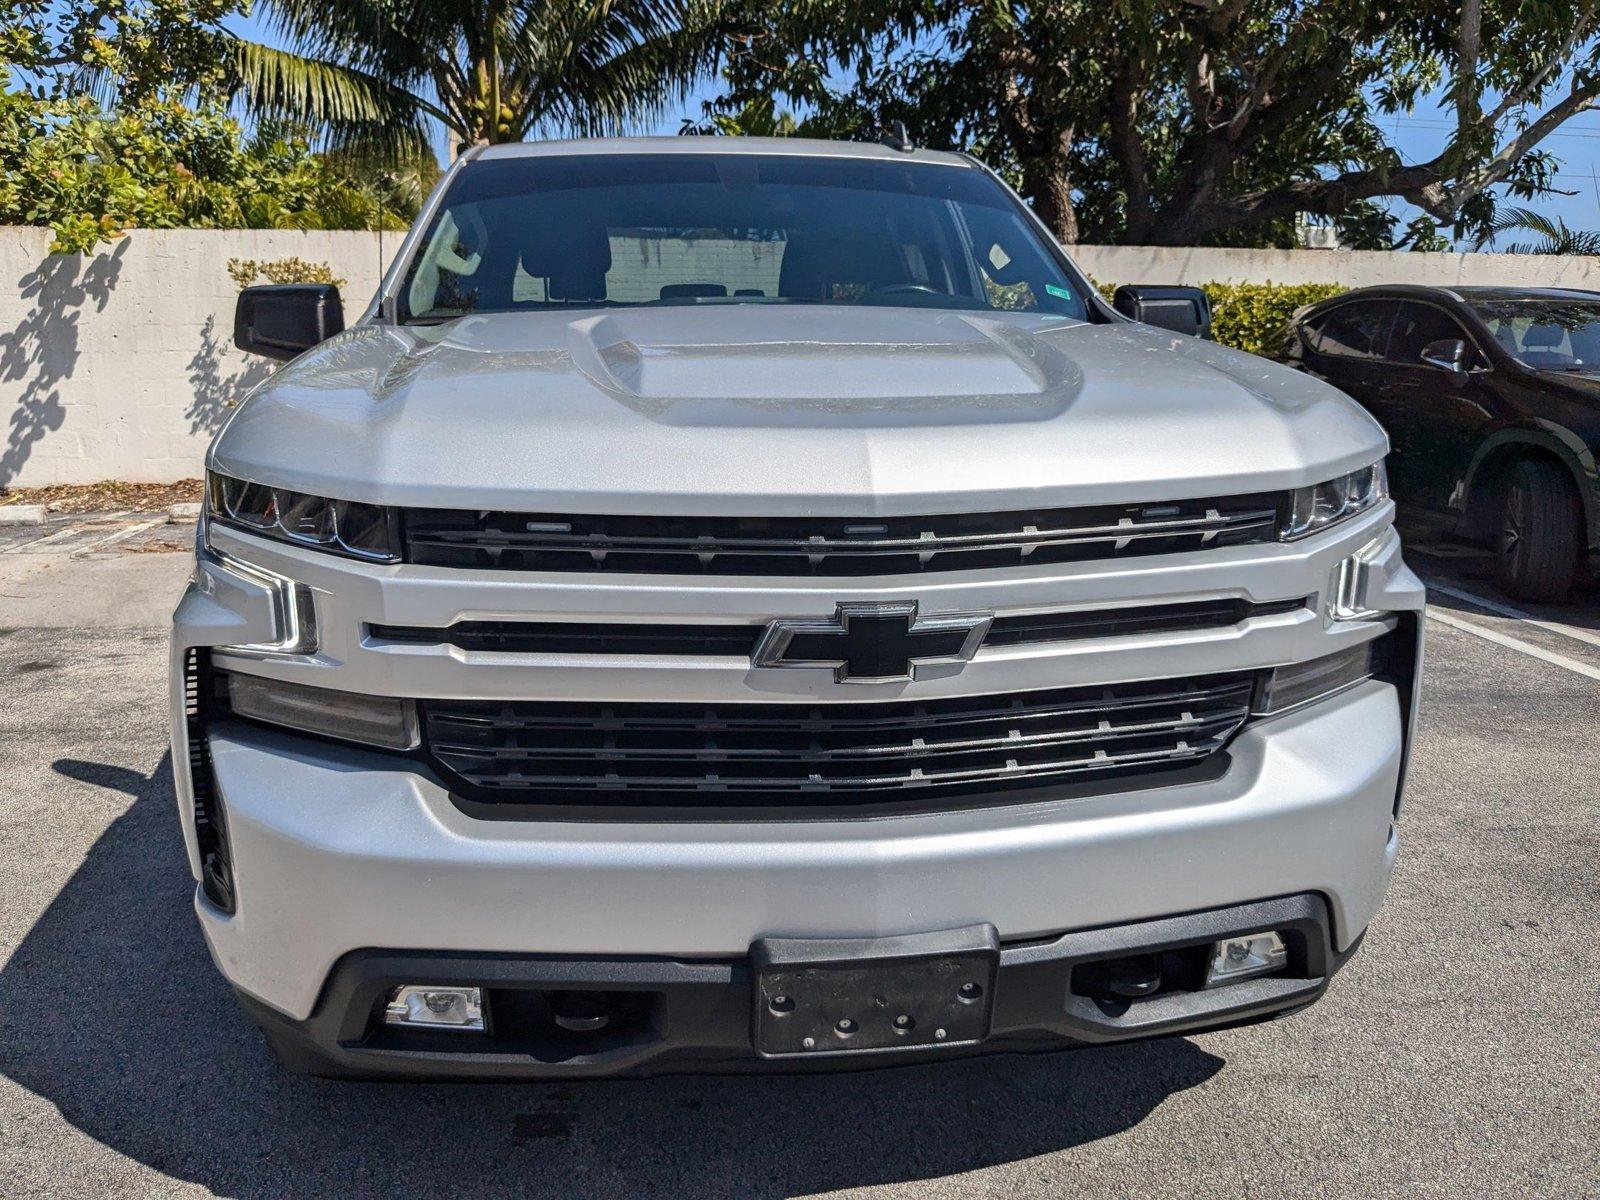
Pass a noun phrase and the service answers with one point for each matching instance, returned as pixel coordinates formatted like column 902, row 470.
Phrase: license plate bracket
column 854, row 996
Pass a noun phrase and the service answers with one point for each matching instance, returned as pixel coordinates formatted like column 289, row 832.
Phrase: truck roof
column 802, row 147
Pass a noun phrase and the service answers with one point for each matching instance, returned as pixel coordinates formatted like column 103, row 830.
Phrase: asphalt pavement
column 1457, row 1055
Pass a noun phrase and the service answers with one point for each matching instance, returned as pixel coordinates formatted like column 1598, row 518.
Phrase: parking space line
column 120, row 535
column 41, row 541
column 1506, row 610
column 1517, row 644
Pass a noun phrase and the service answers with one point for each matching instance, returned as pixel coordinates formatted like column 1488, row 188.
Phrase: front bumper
column 342, row 855
column 337, row 850
column 698, row 1015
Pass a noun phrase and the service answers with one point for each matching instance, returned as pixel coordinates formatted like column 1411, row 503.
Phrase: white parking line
column 1517, row 644
column 120, row 535
column 19, row 547
column 1505, row 610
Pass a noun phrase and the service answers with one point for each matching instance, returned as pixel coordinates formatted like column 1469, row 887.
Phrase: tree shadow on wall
column 42, row 349
column 216, row 390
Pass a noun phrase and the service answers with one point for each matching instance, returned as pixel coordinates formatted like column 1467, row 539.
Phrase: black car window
column 1357, row 330
column 1418, row 326
column 1547, row 334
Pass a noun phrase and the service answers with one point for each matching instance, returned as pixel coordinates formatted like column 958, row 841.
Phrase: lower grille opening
column 210, row 823
column 784, row 756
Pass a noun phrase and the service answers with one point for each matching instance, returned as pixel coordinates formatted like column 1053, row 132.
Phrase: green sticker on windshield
column 1059, row 292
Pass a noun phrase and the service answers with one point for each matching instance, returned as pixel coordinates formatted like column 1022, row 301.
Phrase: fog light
column 436, row 1008
column 1233, row 959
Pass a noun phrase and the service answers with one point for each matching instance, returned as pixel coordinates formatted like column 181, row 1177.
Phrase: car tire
column 1540, row 539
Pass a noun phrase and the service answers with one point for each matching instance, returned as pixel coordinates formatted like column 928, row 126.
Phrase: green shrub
column 1254, row 316
column 246, row 271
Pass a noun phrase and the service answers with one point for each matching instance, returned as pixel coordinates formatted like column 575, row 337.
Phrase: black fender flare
column 1573, row 452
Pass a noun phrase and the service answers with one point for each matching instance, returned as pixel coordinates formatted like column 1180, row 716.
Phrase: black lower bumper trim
column 674, row 1017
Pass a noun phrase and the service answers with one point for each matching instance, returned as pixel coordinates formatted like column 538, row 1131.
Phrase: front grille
column 822, row 546
column 621, row 638
column 696, row 755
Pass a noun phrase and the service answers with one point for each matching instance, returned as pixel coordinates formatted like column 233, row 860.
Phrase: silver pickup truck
column 745, row 604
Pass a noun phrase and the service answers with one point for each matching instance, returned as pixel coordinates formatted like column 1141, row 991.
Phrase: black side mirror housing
column 1185, row 310
column 284, row 320
column 1448, row 353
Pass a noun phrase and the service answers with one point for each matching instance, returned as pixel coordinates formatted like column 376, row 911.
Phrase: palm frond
column 1556, row 236
column 353, row 106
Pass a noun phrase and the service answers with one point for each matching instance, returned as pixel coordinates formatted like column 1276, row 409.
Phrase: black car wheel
column 1541, row 532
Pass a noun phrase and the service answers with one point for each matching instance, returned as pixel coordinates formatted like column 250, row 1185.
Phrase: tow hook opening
column 1117, row 984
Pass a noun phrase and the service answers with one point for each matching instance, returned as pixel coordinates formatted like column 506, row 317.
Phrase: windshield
column 604, row 231
column 1548, row 335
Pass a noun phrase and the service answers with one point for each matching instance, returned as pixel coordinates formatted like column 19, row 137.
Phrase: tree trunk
column 1049, row 187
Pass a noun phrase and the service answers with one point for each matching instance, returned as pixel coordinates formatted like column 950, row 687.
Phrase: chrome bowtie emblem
column 872, row 643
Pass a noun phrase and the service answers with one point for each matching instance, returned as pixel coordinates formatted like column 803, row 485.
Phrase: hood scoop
column 888, row 356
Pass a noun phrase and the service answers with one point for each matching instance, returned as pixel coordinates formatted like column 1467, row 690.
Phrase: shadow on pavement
column 113, row 1013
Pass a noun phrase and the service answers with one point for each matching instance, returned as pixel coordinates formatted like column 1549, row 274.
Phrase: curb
column 21, row 514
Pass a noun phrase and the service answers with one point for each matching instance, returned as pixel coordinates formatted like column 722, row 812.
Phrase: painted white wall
column 1352, row 268
column 120, row 365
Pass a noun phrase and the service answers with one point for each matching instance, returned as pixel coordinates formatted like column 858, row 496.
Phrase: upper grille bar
column 625, row 638
column 830, row 546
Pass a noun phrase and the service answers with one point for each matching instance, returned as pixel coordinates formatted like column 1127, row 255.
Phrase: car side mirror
column 1185, row 310
column 1448, row 353
column 283, row 320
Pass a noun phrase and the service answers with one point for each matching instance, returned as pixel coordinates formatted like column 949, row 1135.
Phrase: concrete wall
column 120, row 365
column 1353, row 268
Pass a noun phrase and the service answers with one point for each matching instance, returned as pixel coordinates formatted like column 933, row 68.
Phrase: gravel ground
column 1458, row 1054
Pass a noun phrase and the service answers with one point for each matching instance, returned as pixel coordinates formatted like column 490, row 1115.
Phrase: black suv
column 1491, row 396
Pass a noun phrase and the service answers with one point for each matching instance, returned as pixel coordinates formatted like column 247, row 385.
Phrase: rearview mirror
column 1449, row 353
column 1185, row 310
column 283, row 320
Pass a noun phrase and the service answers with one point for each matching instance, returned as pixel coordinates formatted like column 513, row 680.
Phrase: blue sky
column 1417, row 135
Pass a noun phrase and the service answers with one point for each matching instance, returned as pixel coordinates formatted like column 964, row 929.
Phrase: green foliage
column 373, row 72
column 90, row 175
column 112, row 117
column 1254, row 316
column 1202, row 123
column 1555, row 236
column 245, row 271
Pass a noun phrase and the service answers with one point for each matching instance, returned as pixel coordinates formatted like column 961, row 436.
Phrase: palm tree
column 373, row 72
column 1556, row 237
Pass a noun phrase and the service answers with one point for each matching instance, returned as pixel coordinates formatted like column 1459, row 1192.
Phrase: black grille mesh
column 210, row 825
column 820, row 546
column 777, row 754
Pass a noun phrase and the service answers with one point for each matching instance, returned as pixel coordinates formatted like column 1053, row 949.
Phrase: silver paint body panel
column 771, row 411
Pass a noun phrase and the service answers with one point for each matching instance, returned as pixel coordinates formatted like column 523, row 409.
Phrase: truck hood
column 786, row 409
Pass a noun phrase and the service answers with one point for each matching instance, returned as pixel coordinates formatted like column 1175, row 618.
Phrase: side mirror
column 1185, row 310
column 283, row 320
column 1449, row 353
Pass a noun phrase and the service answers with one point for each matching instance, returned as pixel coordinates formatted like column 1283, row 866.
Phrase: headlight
column 1300, row 683
column 369, row 532
column 1315, row 508
column 372, row 720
